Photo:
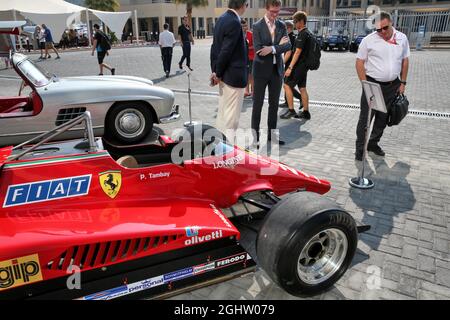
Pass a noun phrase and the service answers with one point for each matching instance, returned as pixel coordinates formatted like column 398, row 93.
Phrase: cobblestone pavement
column 409, row 208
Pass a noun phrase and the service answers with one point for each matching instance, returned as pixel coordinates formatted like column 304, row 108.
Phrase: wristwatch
column 403, row 82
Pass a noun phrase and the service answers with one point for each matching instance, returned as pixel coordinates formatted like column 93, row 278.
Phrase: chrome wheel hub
column 322, row 256
column 130, row 123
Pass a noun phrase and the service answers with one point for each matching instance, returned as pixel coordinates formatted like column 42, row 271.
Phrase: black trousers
column 166, row 55
column 389, row 90
column 259, row 89
column 186, row 53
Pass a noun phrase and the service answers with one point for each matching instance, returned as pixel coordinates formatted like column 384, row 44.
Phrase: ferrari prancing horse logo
column 111, row 181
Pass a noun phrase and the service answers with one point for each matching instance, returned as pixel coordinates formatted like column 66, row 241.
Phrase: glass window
column 37, row 76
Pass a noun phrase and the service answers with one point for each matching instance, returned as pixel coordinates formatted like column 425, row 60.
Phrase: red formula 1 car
column 84, row 219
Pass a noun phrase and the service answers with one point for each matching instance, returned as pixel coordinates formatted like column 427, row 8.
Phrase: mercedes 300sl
column 123, row 108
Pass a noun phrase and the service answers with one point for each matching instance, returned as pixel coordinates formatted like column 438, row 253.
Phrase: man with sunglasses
column 382, row 58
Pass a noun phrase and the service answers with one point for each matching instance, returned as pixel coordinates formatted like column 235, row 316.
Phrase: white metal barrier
column 411, row 23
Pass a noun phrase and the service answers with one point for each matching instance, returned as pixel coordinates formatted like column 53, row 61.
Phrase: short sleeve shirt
column 383, row 59
column 301, row 42
column 98, row 37
column 184, row 32
column 48, row 35
column 166, row 39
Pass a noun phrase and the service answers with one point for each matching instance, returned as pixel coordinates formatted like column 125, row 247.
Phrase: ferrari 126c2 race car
column 86, row 219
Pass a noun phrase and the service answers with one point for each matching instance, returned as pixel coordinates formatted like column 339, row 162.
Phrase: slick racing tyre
column 306, row 243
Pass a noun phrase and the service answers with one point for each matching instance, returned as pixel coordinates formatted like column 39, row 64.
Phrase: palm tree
column 102, row 5
column 191, row 4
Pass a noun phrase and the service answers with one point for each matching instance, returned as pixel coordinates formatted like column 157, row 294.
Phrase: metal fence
column 412, row 24
column 432, row 24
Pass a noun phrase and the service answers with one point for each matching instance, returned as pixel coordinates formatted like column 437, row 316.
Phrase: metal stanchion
column 375, row 101
column 190, row 122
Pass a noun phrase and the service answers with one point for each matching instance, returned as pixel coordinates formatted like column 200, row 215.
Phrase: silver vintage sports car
column 123, row 108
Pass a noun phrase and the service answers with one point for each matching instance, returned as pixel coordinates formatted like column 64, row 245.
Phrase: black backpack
column 313, row 52
column 105, row 42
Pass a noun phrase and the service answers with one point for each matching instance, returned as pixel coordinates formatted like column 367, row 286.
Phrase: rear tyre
column 129, row 122
column 306, row 243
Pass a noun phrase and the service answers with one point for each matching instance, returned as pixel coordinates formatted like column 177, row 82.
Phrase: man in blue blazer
column 229, row 67
column 270, row 40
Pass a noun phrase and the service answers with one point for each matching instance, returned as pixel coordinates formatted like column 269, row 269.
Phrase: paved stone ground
column 409, row 208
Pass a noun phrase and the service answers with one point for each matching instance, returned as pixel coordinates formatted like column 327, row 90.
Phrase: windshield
column 34, row 74
column 313, row 26
column 337, row 28
column 221, row 148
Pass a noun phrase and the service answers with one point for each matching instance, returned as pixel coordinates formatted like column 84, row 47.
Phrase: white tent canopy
column 59, row 15
column 114, row 20
column 40, row 6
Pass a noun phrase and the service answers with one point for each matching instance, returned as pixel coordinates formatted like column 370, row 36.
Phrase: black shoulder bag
column 398, row 110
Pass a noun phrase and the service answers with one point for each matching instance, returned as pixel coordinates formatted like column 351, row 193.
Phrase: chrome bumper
column 173, row 116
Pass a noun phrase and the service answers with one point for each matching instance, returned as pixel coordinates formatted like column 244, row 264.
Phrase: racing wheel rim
column 322, row 256
column 130, row 123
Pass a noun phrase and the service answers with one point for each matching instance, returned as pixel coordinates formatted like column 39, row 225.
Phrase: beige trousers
column 230, row 105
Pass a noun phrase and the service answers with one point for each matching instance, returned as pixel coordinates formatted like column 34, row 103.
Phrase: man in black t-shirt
column 296, row 72
column 98, row 46
column 287, row 60
column 185, row 36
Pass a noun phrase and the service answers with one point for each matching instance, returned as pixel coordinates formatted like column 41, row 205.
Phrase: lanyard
column 392, row 40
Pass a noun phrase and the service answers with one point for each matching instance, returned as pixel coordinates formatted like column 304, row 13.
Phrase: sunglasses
column 384, row 28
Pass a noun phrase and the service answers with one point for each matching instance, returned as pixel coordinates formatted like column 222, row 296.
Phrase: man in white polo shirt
column 382, row 58
column 166, row 43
